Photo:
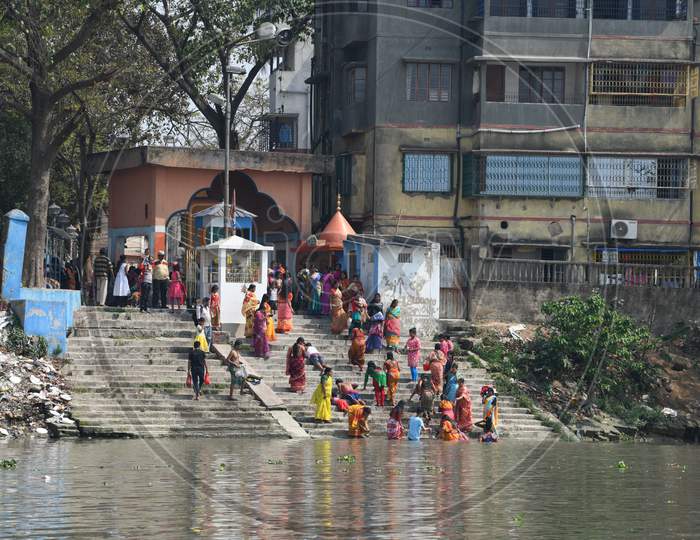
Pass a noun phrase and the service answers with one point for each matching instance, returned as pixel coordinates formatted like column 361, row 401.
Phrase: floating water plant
column 8, row 464
column 348, row 458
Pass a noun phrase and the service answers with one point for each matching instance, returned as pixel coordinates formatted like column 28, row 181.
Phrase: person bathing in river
column 378, row 382
column 322, row 396
column 489, row 423
column 358, row 420
column 394, row 426
column 416, row 426
column 451, row 384
column 426, row 395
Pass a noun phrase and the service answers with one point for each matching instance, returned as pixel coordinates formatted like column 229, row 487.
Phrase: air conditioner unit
column 623, row 228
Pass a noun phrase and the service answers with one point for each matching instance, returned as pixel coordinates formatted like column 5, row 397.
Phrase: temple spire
column 338, row 208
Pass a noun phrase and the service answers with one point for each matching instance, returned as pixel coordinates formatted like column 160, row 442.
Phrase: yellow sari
column 270, row 331
column 323, row 404
column 202, row 340
column 250, row 304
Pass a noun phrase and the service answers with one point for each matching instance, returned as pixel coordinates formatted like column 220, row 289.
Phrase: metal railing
column 546, row 98
column 594, row 274
column 633, row 10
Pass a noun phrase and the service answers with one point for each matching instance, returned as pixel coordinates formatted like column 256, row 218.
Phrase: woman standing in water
column 463, row 408
column 322, row 396
column 393, row 374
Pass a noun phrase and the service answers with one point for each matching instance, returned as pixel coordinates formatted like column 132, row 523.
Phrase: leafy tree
column 15, row 144
column 50, row 54
column 194, row 40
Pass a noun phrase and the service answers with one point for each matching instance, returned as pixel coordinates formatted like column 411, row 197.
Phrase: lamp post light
column 265, row 32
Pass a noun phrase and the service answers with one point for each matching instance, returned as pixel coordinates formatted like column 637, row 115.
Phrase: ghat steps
column 127, row 371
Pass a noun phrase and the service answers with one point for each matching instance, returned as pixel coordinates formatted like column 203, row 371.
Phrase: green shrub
column 23, row 345
column 590, row 340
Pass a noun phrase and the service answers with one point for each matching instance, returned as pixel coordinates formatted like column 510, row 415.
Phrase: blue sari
column 451, row 387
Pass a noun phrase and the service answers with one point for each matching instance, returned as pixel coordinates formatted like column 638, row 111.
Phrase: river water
column 214, row 488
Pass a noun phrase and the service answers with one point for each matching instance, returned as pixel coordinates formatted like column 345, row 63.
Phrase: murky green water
column 393, row 489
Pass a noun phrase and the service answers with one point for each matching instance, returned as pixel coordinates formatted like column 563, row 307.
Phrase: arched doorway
column 270, row 225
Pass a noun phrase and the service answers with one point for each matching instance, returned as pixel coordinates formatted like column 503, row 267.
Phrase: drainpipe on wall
column 458, row 136
column 573, row 237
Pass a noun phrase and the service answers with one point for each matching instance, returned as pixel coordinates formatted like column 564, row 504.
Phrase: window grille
column 523, row 176
column 567, row 9
column 427, row 172
column 428, row 82
column 449, row 251
column 641, row 10
column 541, row 85
column 656, row 85
column 646, row 178
column 405, row 258
column 665, row 257
column 358, row 84
column 243, row 266
column 343, row 172
column 429, row 3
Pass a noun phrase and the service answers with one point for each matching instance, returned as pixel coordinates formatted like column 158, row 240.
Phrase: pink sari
column 463, row 409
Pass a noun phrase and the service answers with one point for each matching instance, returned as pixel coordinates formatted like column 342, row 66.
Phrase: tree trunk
column 39, row 181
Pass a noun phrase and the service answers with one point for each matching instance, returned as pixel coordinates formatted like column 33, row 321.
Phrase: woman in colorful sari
column 358, row 420
column 315, row 291
column 394, row 426
column 451, row 384
column 356, row 353
column 270, row 330
column 463, row 408
column 358, row 314
column 322, row 396
column 376, row 327
column 413, row 346
column 296, row 369
column 339, row 319
column 215, row 307
column 375, row 306
column 392, row 324
column 250, row 304
column 393, row 374
column 262, row 347
column 490, row 422
column 284, row 308
column 448, row 431
column 436, row 369
column 327, row 281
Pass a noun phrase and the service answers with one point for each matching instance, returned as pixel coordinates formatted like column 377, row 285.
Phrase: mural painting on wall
column 413, row 293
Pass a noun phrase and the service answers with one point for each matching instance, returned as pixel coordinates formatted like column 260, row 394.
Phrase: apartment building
column 287, row 126
column 531, row 129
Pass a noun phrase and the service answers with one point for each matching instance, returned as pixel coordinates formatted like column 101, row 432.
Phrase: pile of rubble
column 33, row 397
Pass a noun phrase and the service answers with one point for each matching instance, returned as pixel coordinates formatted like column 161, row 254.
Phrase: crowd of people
column 444, row 406
column 151, row 283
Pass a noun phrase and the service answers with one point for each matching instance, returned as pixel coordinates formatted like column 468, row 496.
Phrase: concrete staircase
column 127, row 372
column 516, row 422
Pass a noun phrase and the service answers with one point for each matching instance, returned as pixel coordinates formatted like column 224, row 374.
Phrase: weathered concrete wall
column 42, row 312
column 659, row 307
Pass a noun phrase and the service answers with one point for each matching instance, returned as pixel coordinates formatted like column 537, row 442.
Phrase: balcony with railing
column 591, row 274
column 633, row 10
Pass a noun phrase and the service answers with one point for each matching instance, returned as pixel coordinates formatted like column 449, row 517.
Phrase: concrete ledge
column 71, row 299
column 290, row 425
column 262, row 391
column 45, row 319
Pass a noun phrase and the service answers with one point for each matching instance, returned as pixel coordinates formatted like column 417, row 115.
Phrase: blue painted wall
column 43, row 312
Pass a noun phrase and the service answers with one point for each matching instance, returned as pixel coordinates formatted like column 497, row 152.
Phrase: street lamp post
column 265, row 32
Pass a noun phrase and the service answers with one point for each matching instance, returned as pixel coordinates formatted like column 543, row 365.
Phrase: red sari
column 296, row 370
column 463, row 409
